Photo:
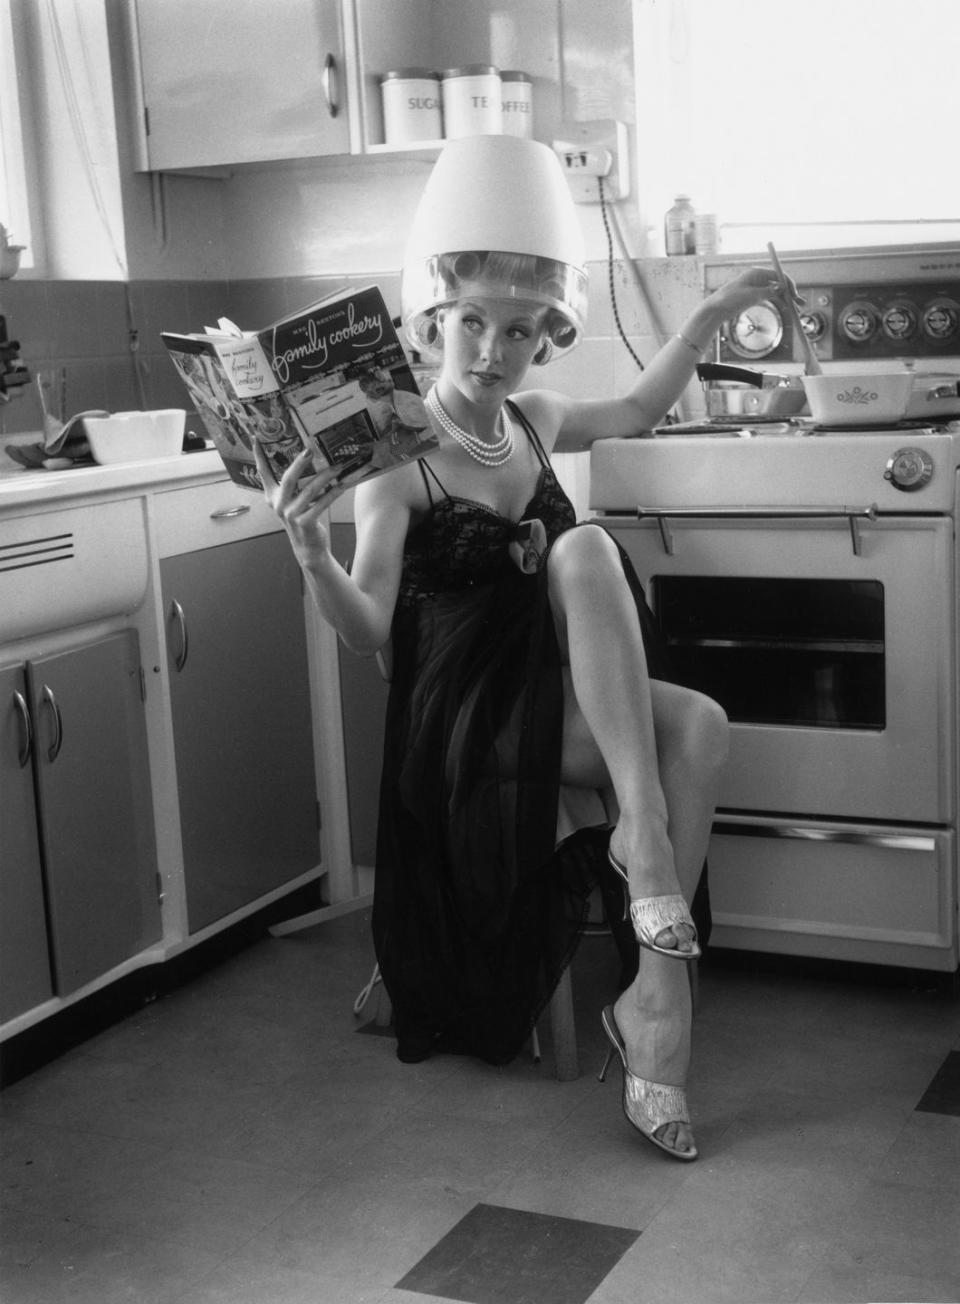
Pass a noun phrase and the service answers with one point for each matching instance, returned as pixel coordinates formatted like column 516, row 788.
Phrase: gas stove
column 905, row 470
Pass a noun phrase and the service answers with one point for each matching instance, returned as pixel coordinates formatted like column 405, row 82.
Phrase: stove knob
column 859, row 321
column 899, row 320
column 909, row 469
column 814, row 325
column 941, row 319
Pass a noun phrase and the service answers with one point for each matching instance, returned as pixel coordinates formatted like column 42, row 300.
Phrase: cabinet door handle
column 26, row 729
column 181, row 619
column 331, row 87
column 53, row 751
column 222, row 513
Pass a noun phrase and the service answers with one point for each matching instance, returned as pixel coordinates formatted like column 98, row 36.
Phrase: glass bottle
column 678, row 228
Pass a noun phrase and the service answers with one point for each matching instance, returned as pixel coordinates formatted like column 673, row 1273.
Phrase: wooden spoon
column 812, row 365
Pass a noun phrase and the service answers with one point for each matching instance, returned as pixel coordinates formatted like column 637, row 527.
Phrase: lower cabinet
column 25, row 975
column 242, row 722
column 78, row 862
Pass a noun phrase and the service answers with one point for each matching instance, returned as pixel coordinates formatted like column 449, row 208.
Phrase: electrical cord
column 670, row 418
column 610, row 260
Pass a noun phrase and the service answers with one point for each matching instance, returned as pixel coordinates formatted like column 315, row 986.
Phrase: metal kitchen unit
column 807, row 580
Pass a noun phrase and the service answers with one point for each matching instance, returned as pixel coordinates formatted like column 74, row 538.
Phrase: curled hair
column 427, row 285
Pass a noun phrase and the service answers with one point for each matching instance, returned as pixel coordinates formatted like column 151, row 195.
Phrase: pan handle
column 723, row 371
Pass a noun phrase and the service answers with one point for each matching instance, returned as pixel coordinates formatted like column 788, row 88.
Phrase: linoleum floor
column 244, row 1141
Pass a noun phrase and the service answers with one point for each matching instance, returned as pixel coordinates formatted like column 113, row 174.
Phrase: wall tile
column 160, row 306
column 26, row 306
column 76, row 304
column 586, row 372
column 121, row 392
column 113, row 327
column 86, row 385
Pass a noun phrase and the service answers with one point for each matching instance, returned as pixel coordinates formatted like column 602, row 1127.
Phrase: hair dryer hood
column 497, row 192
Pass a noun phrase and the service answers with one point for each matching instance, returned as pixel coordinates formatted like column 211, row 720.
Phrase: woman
column 528, row 713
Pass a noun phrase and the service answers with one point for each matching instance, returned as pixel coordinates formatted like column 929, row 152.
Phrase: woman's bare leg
column 660, row 749
column 600, row 636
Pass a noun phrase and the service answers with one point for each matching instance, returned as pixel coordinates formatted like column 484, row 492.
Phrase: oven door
column 829, row 642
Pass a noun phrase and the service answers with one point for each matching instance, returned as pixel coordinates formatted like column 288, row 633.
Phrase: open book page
column 333, row 378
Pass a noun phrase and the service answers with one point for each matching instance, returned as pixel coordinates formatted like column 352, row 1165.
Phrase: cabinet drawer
column 207, row 515
column 853, row 892
column 59, row 569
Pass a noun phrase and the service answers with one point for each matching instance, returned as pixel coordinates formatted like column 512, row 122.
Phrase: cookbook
column 332, row 378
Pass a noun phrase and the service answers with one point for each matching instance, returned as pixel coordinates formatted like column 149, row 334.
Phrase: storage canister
column 411, row 106
column 471, row 101
column 706, row 233
column 517, row 101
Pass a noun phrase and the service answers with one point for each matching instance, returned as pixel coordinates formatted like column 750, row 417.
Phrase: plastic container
column 472, row 101
column 517, row 104
column 678, row 228
column 411, row 106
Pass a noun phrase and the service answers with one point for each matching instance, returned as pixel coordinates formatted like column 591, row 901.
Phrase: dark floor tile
column 496, row 1255
column 943, row 1094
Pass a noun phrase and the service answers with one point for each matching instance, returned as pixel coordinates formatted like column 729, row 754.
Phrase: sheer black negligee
column 476, row 909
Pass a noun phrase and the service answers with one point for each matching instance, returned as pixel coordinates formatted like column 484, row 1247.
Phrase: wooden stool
column 563, row 1029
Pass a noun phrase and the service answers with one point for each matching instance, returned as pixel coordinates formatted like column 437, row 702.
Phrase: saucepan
column 739, row 391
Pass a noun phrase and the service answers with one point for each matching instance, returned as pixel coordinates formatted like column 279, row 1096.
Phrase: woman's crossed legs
column 658, row 749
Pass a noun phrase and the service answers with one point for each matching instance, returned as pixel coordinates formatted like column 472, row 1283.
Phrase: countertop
column 21, row 488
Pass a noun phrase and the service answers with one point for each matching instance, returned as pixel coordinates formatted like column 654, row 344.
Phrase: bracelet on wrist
column 689, row 343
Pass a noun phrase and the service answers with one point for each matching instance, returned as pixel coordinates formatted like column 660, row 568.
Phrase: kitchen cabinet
column 578, row 56
column 76, row 718
column 239, row 81
column 242, row 719
column 25, row 976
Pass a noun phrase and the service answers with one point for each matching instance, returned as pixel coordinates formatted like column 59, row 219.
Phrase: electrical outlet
column 588, row 150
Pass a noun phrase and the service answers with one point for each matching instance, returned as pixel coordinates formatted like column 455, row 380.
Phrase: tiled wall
column 81, row 329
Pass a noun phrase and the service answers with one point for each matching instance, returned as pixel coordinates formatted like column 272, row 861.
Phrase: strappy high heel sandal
column 652, row 916
column 648, row 1106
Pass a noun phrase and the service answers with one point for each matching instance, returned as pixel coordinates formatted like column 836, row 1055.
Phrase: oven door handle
column 663, row 515
column 891, row 841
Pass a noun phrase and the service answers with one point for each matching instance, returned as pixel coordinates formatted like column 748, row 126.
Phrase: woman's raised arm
column 358, row 604
column 657, row 388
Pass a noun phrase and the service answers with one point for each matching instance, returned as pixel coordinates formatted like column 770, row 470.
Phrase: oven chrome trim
column 891, row 841
column 852, row 515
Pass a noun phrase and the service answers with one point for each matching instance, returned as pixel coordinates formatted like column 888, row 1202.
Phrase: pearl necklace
column 495, row 454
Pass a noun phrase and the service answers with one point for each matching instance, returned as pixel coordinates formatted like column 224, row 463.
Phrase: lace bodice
column 460, row 544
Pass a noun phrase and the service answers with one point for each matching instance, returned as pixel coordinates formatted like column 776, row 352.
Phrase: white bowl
column 860, row 399
column 136, row 436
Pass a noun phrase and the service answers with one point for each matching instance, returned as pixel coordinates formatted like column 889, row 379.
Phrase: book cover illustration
column 332, row 378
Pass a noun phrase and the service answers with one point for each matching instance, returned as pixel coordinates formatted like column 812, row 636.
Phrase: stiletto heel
column 652, row 916
column 647, row 1106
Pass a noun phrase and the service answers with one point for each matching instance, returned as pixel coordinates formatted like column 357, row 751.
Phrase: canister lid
column 410, row 74
column 471, row 70
column 513, row 75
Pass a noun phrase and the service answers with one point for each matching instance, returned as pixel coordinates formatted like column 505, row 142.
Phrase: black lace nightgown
column 477, row 909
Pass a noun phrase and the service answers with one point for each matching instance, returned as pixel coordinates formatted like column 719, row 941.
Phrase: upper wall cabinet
column 225, row 82
column 240, row 81
column 579, row 57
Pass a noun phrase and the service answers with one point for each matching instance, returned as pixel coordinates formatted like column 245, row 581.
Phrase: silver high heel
column 648, row 1106
column 652, row 916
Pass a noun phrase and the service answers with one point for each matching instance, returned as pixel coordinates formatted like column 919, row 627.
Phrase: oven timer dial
column 909, row 469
